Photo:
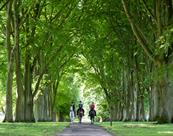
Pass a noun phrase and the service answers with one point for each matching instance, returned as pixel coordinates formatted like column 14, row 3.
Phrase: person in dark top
column 80, row 104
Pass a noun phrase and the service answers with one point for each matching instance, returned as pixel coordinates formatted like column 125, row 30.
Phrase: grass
column 138, row 129
column 118, row 128
column 31, row 129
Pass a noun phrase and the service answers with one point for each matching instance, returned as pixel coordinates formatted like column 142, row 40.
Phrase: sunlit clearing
column 165, row 132
column 139, row 125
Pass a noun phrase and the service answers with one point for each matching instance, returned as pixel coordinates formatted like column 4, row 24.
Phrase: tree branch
column 138, row 33
column 42, row 73
column 37, row 84
column 4, row 5
column 148, row 10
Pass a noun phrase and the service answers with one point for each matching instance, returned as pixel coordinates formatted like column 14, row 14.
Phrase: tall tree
column 159, row 15
column 20, row 91
column 10, row 51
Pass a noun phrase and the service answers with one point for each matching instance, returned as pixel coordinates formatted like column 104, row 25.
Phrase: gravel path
column 84, row 129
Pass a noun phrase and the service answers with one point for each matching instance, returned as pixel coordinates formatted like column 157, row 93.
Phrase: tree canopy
column 116, row 53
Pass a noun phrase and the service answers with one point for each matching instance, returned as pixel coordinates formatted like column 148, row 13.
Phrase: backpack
column 92, row 113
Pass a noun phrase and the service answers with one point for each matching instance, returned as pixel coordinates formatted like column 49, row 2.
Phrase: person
column 92, row 106
column 80, row 104
column 72, row 112
column 80, row 111
column 92, row 112
column 73, row 105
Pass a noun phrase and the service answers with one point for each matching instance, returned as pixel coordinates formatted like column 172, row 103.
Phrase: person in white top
column 72, row 112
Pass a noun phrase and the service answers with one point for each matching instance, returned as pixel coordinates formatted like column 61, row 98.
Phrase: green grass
column 138, row 129
column 31, row 129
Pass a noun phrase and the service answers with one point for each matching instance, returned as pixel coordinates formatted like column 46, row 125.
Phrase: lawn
column 138, row 129
column 31, row 129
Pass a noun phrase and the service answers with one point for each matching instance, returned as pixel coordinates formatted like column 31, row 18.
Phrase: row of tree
column 130, row 50
column 38, row 49
column 124, row 47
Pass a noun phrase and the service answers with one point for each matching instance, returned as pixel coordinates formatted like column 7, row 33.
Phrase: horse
column 72, row 116
column 80, row 113
column 92, row 114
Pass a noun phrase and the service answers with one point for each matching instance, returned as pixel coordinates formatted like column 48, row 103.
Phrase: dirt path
column 84, row 129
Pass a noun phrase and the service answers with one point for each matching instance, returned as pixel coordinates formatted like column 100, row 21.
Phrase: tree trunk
column 10, row 52
column 61, row 117
column 42, row 105
column 52, row 98
column 9, row 103
column 29, row 115
column 151, row 104
column 162, row 110
column 154, row 102
column 163, row 98
column 130, row 86
column 39, row 105
column 125, row 106
column 140, row 113
column 20, row 93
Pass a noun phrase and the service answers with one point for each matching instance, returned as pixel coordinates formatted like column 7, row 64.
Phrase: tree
column 160, row 18
column 10, row 52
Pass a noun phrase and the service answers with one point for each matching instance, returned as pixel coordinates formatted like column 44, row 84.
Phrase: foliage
column 68, row 91
column 92, row 50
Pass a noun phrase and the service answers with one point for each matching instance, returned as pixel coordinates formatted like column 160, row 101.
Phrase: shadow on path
column 84, row 129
